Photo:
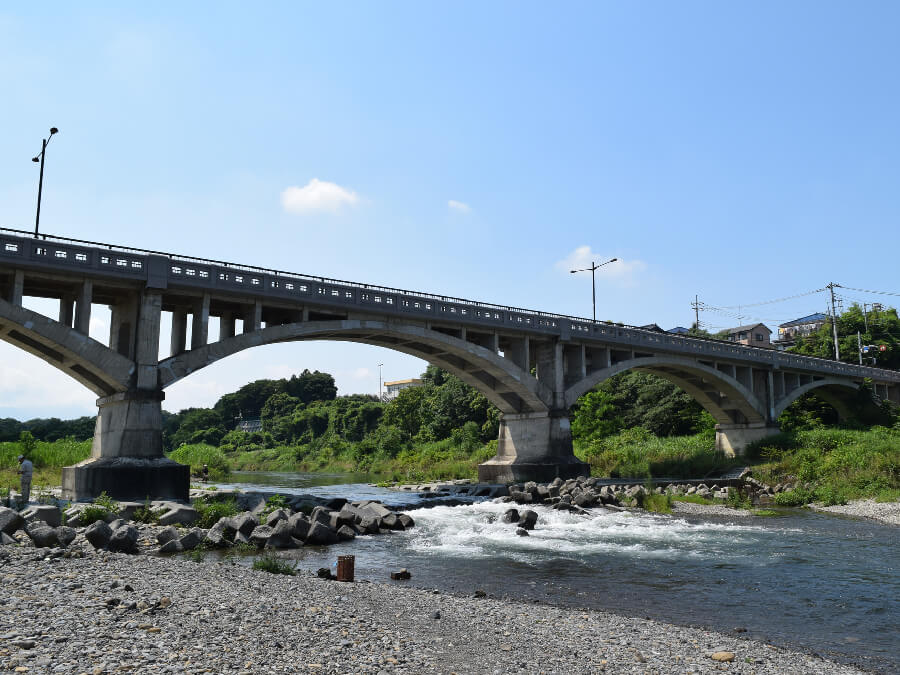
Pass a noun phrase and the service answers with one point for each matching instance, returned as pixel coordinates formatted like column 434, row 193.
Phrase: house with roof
column 679, row 330
column 789, row 332
column 752, row 335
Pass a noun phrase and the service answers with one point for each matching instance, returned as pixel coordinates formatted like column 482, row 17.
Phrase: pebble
column 225, row 618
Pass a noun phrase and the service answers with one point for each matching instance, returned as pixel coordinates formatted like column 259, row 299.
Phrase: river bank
column 117, row 613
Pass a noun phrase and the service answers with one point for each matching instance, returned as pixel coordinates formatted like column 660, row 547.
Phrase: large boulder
column 510, row 516
column 192, row 539
column 10, row 520
column 282, row 536
column 348, row 515
column 373, row 510
column 165, row 536
column 42, row 535
column 392, row 522
column 276, row 516
column 260, row 535
column 300, row 525
column 527, row 519
column 320, row 534
column 245, row 523
column 65, row 535
column 320, row 515
column 179, row 514
column 171, row 546
column 124, row 539
column 98, row 534
column 370, row 525
column 405, row 520
column 51, row 515
column 345, row 533
column 220, row 535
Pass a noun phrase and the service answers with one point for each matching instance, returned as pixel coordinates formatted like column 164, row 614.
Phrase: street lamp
column 593, row 268
column 380, row 398
column 40, row 158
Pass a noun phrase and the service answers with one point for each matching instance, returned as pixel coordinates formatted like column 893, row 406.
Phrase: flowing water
column 817, row 582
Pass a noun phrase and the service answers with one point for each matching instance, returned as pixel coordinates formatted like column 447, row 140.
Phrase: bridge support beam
column 533, row 446
column 127, row 460
column 732, row 439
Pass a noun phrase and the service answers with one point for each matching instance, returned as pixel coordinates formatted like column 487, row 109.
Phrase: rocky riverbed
column 111, row 612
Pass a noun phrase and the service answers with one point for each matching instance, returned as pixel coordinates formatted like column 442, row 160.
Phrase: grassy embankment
column 48, row 459
column 840, row 464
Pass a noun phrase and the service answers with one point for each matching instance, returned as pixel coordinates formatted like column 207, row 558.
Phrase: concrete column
column 495, row 343
column 147, row 342
column 533, row 446
column 123, row 316
column 519, row 353
column 770, row 395
column 253, row 318
column 549, row 357
column 83, row 307
column 733, row 439
column 66, row 310
column 178, row 341
column 18, row 288
column 127, row 460
column 226, row 325
column 200, row 325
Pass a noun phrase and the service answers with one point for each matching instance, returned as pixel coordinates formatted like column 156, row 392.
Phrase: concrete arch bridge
column 532, row 365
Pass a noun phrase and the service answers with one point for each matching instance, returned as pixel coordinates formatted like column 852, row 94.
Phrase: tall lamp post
column 40, row 158
column 380, row 397
column 592, row 269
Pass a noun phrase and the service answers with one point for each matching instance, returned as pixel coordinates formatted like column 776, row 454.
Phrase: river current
column 811, row 581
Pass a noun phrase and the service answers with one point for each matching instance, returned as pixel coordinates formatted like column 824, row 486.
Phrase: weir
column 532, row 365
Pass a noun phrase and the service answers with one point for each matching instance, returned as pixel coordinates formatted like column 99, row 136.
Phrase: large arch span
column 99, row 368
column 723, row 396
column 830, row 389
column 507, row 386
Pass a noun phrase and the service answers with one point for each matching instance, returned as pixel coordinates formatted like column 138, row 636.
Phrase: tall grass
column 48, row 458
column 637, row 453
column 839, row 464
column 198, row 454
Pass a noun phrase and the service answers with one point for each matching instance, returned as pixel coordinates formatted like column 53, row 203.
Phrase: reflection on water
column 818, row 582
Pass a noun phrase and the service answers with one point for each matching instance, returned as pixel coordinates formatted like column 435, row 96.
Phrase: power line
column 863, row 290
column 772, row 302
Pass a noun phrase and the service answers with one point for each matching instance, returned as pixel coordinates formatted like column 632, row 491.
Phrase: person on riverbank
column 26, row 469
column 204, row 473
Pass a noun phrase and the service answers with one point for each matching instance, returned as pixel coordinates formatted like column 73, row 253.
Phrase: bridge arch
column 99, row 368
column 830, row 389
column 718, row 393
column 510, row 388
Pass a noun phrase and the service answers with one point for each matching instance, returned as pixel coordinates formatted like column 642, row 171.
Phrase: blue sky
column 741, row 152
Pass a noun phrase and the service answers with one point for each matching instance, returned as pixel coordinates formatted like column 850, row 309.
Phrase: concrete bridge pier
column 127, row 460
column 732, row 439
column 533, row 446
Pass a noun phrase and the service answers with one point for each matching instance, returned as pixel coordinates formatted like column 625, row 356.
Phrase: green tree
column 595, row 416
column 311, row 386
column 880, row 328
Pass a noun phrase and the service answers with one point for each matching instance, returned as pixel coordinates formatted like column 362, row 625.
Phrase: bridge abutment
column 732, row 439
column 533, row 446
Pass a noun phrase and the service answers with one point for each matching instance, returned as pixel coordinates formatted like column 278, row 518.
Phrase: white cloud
column 317, row 195
column 625, row 272
column 462, row 207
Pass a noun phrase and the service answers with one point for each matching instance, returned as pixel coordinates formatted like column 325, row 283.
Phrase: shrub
column 145, row 514
column 274, row 503
column 796, row 497
column 198, row 454
column 269, row 563
column 737, row 499
column 209, row 513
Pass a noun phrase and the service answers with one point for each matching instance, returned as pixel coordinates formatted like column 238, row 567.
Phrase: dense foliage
column 875, row 327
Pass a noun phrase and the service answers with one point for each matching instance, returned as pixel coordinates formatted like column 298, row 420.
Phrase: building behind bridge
column 752, row 335
column 393, row 389
column 789, row 332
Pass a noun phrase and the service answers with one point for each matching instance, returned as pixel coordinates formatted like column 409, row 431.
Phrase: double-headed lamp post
column 592, row 269
column 40, row 158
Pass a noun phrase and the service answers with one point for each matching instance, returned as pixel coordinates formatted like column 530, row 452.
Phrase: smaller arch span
column 507, row 386
column 689, row 376
column 96, row 366
column 830, row 389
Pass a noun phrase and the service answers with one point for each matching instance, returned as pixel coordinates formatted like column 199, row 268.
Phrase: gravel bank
column 884, row 512
column 118, row 613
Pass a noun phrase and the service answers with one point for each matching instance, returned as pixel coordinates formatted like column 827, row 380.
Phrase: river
column 811, row 581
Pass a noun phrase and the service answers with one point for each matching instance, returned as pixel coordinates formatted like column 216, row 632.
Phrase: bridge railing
column 54, row 251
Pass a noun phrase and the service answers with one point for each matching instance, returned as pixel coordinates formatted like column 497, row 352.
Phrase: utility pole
column 834, row 330
column 696, row 306
column 866, row 317
column 859, row 346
